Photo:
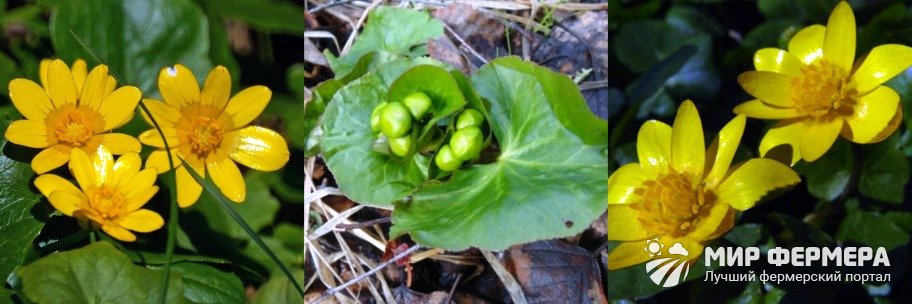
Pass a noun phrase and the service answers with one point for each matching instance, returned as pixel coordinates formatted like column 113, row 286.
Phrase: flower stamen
column 822, row 91
column 671, row 206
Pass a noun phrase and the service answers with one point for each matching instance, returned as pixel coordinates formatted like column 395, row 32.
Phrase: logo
column 666, row 271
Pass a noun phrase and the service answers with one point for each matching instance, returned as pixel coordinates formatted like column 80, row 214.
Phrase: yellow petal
column 164, row 114
column 872, row 115
column 49, row 183
column 227, row 177
column 784, row 133
column 43, row 72
column 66, row 202
column 258, row 148
column 778, row 61
column 623, row 224
column 753, row 180
column 760, row 110
column 711, row 222
column 807, row 44
column 61, row 86
column 110, row 84
column 117, row 109
column 158, row 159
column 623, row 182
column 726, row 144
column 119, row 143
column 248, row 104
column 142, row 221
column 79, row 71
column 217, row 88
column 839, row 41
column 28, row 133
column 818, row 137
column 30, row 99
column 884, row 62
column 688, row 150
column 627, row 254
column 139, row 198
column 654, row 147
column 153, row 138
column 188, row 190
column 124, row 168
column 83, row 169
column 93, row 90
column 50, row 158
column 103, row 162
column 178, row 86
column 119, row 233
column 772, row 88
column 138, row 183
column 727, row 222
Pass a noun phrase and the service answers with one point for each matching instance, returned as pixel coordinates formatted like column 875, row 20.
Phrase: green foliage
column 538, row 117
column 135, row 38
column 884, row 172
column 205, row 284
column 874, row 229
column 21, row 219
column 828, row 177
column 277, row 290
column 268, row 16
column 97, row 273
column 412, row 31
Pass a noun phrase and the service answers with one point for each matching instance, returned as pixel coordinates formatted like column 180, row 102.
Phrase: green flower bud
column 375, row 117
column 469, row 118
column 401, row 146
column 445, row 160
column 395, row 120
column 466, row 143
column 418, row 104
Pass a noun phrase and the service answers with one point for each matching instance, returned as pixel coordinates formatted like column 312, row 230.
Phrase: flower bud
column 418, row 104
column 375, row 117
column 401, row 146
column 445, row 160
column 469, row 118
column 466, row 143
column 395, row 120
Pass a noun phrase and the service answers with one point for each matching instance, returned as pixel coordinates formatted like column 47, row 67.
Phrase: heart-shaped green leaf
column 548, row 182
column 18, row 223
column 97, row 273
column 135, row 38
column 205, row 284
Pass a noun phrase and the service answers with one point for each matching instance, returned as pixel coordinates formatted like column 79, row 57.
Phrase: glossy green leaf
column 828, row 177
column 395, row 30
column 745, row 235
column 18, row 209
column 205, row 284
column 135, row 38
column 278, row 290
column 364, row 175
column 286, row 256
column 269, row 16
column 872, row 229
column 97, row 273
column 885, row 172
column 549, row 180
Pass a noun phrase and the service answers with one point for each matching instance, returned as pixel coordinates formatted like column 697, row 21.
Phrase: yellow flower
column 110, row 193
column 72, row 110
column 680, row 192
column 819, row 92
column 209, row 131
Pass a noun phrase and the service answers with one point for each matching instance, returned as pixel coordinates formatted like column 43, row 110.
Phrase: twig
column 509, row 282
column 328, row 5
column 453, row 289
column 469, row 47
column 354, row 281
column 382, row 220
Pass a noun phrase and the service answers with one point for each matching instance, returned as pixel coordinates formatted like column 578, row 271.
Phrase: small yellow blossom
column 681, row 192
column 819, row 92
column 110, row 194
column 71, row 109
column 209, row 131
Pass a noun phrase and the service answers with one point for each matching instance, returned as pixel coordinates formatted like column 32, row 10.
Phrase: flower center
column 671, row 206
column 201, row 128
column 106, row 202
column 822, row 91
column 74, row 125
column 206, row 134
